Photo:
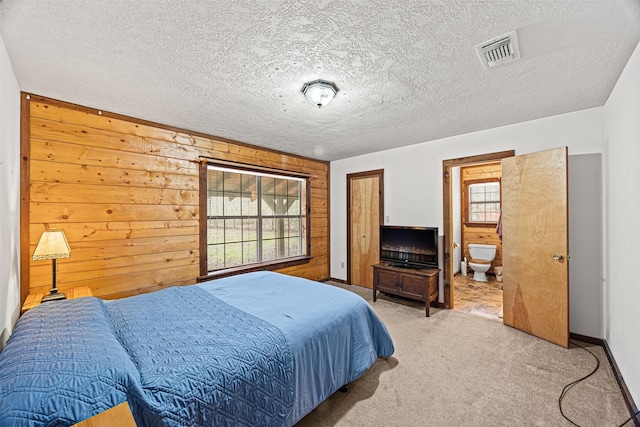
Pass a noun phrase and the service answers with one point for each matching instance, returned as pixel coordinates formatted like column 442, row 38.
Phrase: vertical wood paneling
column 126, row 194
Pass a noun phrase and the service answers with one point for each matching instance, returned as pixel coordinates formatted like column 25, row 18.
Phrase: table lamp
column 52, row 245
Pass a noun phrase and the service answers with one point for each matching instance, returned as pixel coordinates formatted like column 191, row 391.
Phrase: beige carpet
column 456, row 369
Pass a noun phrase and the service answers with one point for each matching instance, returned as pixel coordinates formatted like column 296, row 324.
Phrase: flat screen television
column 411, row 247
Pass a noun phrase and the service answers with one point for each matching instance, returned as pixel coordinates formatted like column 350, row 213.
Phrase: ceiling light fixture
column 319, row 92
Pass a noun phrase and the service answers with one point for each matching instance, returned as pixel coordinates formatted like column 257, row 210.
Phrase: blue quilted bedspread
column 258, row 349
column 63, row 363
column 204, row 362
column 180, row 357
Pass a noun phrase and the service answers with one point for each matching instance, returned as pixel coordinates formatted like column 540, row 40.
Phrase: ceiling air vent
column 499, row 50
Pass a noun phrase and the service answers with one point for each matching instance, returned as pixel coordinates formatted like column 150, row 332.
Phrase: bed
column 258, row 349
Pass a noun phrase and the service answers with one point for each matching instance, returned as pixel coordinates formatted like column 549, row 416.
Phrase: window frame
column 467, row 203
column 305, row 216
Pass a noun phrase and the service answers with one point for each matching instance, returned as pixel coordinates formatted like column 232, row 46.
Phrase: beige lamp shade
column 52, row 245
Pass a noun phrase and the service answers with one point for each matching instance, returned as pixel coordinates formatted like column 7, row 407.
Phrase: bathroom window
column 484, row 201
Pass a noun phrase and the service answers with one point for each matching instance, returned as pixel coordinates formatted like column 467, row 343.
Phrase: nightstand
column 34, row 299
column 117, row 416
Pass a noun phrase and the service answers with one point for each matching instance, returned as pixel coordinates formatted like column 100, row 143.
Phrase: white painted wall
column 622, row 178
column 413, row 174
column 586, row 302
column 9, row 197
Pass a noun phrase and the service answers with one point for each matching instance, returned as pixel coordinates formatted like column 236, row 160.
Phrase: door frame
column 447, row 207
column 379, row 173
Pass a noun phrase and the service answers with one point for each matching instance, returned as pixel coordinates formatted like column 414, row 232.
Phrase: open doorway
column 536, row 271
column 476, row 201
column 455, row 251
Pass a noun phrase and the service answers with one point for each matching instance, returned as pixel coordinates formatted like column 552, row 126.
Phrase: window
column 254, row 217
column 484, row 201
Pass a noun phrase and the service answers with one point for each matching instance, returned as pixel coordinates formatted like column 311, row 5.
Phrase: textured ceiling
column 407, row 69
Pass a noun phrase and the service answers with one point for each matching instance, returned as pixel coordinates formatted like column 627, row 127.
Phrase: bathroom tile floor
column 478, row 298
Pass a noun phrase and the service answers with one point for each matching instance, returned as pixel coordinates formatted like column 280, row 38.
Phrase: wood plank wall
column 125, row 192
column 474, row 233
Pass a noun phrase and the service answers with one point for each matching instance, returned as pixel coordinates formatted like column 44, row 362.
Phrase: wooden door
column 535, row 244
column 447, row 214
column 364, row 227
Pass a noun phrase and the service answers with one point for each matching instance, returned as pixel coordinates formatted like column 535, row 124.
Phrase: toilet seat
column 480, row 261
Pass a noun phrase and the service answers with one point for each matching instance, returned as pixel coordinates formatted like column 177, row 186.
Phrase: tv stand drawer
column 420, row 285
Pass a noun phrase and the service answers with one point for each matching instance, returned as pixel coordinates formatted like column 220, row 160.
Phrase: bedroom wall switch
column 342, row 265
column 386, row 219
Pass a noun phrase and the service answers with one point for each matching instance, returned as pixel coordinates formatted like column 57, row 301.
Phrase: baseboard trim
column 333, row 279
column 623, row 386
column 588, row 340
column 628, row 399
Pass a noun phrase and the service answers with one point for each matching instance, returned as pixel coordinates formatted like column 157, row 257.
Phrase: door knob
column 558, row 257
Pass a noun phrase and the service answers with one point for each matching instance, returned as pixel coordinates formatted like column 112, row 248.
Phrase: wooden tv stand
column 417, row 284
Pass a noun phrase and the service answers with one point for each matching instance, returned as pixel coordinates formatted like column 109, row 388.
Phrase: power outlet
column 386, row 219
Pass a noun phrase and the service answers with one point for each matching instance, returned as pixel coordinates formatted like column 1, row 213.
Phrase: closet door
column 535, row 244
column 365, row 215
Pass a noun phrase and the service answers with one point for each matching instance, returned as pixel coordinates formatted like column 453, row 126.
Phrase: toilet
column 481, row 257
